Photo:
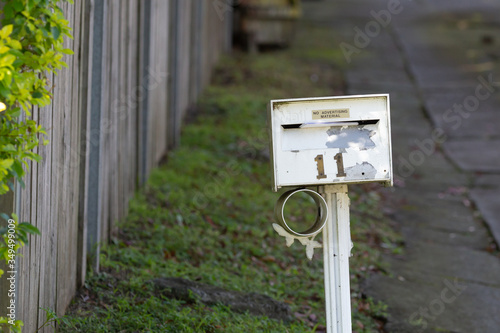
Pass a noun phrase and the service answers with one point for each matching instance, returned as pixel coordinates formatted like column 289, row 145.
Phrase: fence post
column 93, row 136
column 144, row 63
column 173, row 128
column 87, row 24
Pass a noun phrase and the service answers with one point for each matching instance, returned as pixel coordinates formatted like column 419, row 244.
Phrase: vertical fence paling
column 116, row 110
column 142, row 98
column 84, row 103
column 93, row 134
column 173, row 74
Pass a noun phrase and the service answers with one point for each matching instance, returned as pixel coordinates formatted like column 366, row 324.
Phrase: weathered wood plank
column 127, row 103
column 46, row 187
column 74, row 110
column 152, row 84
column 67, row 221
column 23, row 263
column 152, row 120
column 185, row 51
column 120, row 115
column 196, row 48
column 31, row 303
column 158, row 83
column 59, row 213
column 104, row 139
column 113, row 90
column 94, row 142
column 82, row 149
column 172, row 131
column 142, row 97
column 61, row 168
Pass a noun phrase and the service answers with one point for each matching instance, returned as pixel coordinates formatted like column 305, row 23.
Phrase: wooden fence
column 116, row 111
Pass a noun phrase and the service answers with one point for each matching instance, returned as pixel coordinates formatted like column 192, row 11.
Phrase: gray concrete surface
column 439, row 61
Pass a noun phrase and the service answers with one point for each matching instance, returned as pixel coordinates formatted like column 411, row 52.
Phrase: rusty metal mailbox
column 330, row 140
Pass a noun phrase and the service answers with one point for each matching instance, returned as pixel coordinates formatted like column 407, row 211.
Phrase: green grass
column 207, row 215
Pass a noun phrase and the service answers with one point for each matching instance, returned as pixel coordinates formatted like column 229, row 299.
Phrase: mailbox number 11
column 321, row 166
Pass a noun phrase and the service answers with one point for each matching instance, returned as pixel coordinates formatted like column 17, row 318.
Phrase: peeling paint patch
column 350, row 137
column 361, row 171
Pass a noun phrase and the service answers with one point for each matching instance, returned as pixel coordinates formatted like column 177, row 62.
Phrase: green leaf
column 7, row 60
column 8, row 148
column 67, row 51
column 37, row 94
column 17, row 167
column 4, row 91
column 4, row 188
column 16, row 52
column 21, row 182
column 55, row 32
column 22, row 236
column 36, row 157
column 29, row 228
column 11, row 185
column 18, row 5
column 7, row 30
column 15, row 44
column 6, row 163
column 45, row 31
column 16, row 112
column 8, row 11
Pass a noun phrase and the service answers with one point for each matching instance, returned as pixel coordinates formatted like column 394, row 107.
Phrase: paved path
column 439, row 60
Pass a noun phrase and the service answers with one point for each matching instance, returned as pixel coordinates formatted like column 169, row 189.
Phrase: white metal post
column 336, row 252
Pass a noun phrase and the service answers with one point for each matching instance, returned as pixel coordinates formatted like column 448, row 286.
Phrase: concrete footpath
column 440, row 63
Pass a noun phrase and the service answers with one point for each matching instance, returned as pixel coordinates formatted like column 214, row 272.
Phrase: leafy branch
column 31, row 51
column 31, row 48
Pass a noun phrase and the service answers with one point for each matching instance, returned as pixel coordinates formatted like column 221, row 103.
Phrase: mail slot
column 329, row 140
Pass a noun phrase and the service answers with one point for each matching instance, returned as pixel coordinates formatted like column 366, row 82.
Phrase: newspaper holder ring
column 321, row 217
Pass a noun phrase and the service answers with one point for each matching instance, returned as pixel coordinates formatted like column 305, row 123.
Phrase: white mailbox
column 330, row 140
